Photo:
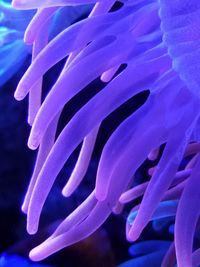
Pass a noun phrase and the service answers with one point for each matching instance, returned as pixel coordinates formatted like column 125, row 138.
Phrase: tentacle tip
column 28, row 41
column 33, row 141
column 129, row 239
column 100, row 196
column 151, row 157
column 24, row 208
column 33, row 255
column 116, row 211
column 132, row 237
column 18, row 96
column 33, row 145
column 66, row 192
column 14, row 4
column 122, row 200
column 104, row 78
column 18, row 4
column 28, row 38
column 31, row 229
column 30, row 120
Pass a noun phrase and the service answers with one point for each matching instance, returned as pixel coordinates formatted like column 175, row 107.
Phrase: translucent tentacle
column 44, row 149
column 73, row 86
column 37, row 23
column 35, row 93
column 123, row 170
column 82, row 163
column 185, row 225
column 104, row 171
column 163, row 176
column 112, row 24
column 170, row 257
column 77, row 216
column 77, row 233
column 139, row 190
column 65, row 144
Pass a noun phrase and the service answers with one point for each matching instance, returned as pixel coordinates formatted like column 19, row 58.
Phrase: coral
column 152, row 40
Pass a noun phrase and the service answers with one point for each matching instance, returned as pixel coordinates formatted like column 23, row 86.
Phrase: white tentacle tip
column 24, row 208
column 66, row 192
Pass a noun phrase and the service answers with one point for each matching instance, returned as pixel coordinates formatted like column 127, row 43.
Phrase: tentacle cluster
column 96, row 47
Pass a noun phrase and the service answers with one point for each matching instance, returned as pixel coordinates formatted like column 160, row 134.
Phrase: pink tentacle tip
column 32, row 229
column 14, row 3
column 133, row 234
column 28, row 38
column 34, row 140
column 151, row 171
column 30, row 120
column 18, row 95
column 100, row 195
column 34, row 254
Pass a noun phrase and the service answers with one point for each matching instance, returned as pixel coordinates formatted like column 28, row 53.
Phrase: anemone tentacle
column 35, row 94
column 37, row 23
column 185, row 226
column 158, row 42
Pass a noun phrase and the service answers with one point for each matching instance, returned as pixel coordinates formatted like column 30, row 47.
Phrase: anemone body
column 180, row 25
column 159, row 43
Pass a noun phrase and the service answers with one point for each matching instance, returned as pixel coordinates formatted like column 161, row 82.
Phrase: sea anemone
column 157, row 43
